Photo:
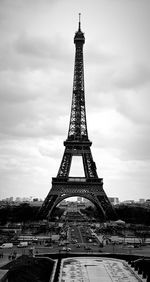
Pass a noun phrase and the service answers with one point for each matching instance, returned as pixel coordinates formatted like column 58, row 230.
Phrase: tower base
column 91, row 189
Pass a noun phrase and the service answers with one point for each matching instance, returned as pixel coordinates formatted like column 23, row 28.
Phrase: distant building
column 10, row 200
column 81, row 206
column 63, row 204
column 141, row 201
column 147, row 202
column 18, row 199
column 114, row 200
column 35, row 199
column 87, row 202
column 128, row 202
column 64, row 201
column 36, row 203
column 79, row 199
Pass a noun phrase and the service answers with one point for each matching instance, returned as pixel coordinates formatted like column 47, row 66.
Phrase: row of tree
column 129, row 214
column 24, row 213
column 21, row 213
column 133, row 214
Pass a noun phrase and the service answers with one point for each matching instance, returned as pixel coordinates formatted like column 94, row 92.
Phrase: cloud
column 132, row 76
column 40, row 47
column 99, row 55
column 127, row 137
column 34, row 52
column 32, row 104
column 25, row 122
column 134, row 104
column 36, row 77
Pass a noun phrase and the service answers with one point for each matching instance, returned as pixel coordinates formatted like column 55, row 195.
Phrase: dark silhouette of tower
column 78, row 144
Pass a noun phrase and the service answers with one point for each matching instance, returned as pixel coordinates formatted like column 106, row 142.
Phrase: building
column 114, row 200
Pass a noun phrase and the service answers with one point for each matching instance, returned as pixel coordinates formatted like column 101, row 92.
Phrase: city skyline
column 70, row 199
column 36, row 75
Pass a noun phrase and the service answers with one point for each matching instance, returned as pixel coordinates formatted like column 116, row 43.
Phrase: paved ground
column 143, row 251
column 96, row 269
column 78, row 236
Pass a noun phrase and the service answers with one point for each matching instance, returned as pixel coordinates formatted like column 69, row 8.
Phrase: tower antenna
column 79, row 21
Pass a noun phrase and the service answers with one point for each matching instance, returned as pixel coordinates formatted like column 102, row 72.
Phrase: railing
column 76, row 179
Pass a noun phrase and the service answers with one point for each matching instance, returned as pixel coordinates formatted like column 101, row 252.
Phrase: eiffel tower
column 78, row 144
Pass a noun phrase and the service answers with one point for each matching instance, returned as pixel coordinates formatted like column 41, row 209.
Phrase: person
column 14, row 254
column 10, row 256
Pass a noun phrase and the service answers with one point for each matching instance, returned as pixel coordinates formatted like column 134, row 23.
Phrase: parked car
column 48, row 244
column 130, row 246
column 87, row 248
column 6, row 245
column 66, row 249
column 22, row 245
column 78, row 245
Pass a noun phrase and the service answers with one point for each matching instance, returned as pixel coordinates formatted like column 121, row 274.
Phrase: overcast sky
column 36, row 77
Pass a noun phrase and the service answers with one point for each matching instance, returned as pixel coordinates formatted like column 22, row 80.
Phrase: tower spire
column 78, row 125
column 79, row 22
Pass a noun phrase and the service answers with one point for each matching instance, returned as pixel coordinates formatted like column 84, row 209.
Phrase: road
column 81, row 240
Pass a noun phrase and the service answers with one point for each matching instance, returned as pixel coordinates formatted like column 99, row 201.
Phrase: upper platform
column 79, row 35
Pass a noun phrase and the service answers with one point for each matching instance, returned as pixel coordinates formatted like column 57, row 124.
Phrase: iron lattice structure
column 77, row 144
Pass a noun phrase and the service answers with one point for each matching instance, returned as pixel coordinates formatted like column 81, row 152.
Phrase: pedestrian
column 14, row 254
column 9, row 256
